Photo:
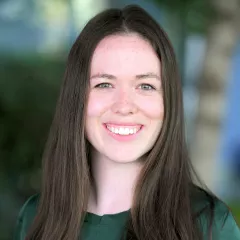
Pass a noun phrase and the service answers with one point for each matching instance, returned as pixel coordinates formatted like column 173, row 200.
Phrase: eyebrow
column 103, row 75
column 148, row 75
column 112, row 77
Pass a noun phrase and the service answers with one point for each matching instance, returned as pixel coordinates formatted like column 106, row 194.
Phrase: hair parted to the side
column 162, row 206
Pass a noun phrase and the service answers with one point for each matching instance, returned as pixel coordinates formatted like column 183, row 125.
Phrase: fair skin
column 124, row 117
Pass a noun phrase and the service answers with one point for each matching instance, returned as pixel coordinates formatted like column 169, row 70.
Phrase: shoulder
column 224, row 224
column 25, row 217
column 215, row 217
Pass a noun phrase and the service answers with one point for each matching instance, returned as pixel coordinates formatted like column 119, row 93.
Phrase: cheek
column 152, row 107
column 96, row 105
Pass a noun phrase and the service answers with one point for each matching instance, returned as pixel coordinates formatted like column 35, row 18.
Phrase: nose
column 124, row 103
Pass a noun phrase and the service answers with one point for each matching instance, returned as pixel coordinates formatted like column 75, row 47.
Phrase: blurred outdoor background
column 35, row 37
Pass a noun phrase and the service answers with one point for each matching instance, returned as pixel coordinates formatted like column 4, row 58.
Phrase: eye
column 104, row 85
column 146, row 87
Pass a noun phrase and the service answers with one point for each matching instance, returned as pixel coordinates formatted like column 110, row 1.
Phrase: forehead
column 124, row 54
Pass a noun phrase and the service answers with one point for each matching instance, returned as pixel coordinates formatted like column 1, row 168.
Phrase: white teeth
column 127, row 131
column 123, row 130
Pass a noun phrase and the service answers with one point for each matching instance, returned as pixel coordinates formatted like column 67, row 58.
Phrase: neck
column 113, row 185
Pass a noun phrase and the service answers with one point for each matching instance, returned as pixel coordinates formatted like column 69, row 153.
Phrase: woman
column 116, row 164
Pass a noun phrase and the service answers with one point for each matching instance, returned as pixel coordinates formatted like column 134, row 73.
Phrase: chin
column 124, row 158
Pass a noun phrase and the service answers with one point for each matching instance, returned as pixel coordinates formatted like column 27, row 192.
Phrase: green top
column 111, row 226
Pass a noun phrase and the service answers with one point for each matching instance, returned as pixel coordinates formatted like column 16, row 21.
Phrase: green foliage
column 28, row 93
column 235, row 208
column 196, row 14
column 29, row 89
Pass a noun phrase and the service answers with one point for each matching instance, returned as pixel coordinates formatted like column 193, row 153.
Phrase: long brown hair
column 162, row 205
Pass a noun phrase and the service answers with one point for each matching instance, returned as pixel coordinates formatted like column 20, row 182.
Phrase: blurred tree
column 222, row 35
column 84, row 10
column 193, row 14
column 185, row 17
column 62, row 20
column 28, row 93
column 54, row 16
column 219, row 21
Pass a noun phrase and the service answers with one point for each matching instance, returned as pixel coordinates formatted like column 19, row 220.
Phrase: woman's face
column 125, row 108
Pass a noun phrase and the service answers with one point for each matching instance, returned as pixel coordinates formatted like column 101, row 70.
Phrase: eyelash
column 148, row 85
column 101, row 85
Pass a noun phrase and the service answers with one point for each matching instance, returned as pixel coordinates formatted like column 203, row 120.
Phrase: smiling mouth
column 123, row 130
